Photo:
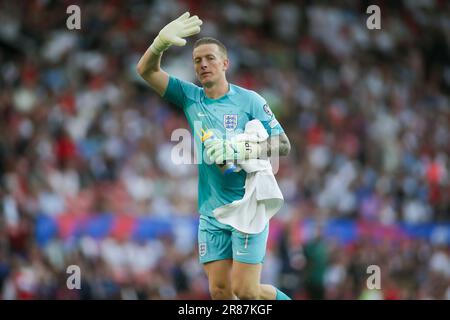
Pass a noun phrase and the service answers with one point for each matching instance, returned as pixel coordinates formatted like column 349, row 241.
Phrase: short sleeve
column 262, row 112
column 180, row 92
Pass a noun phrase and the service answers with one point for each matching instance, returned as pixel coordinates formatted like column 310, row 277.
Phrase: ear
column 226, row 63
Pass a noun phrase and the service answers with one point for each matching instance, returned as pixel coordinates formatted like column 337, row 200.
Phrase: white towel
column 262, row 198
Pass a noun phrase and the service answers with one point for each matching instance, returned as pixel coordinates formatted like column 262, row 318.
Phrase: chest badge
column 230, row 121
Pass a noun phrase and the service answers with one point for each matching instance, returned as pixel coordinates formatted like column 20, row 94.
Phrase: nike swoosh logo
column 240, row 253
column 201, row 114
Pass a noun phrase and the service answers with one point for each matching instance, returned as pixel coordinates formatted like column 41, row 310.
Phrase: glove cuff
column 159, row 46
column 252, row 150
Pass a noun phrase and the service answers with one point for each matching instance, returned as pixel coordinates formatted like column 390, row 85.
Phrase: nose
column 203, row 64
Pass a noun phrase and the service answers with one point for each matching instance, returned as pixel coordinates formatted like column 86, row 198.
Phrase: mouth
column 205, row 73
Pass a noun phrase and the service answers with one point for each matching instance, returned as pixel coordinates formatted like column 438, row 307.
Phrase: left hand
column 220, row 150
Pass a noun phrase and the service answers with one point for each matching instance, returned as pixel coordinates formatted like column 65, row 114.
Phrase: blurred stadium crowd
column 367, row 113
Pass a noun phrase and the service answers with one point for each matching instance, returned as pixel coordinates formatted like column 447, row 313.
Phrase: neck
column 216, row 90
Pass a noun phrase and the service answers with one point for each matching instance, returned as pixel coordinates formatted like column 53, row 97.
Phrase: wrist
column 159, row 46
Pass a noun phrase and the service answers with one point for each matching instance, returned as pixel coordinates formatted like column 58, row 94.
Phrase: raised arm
column 149, row 66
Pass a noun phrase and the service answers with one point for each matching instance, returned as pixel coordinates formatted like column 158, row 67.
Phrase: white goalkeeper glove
column 224, row 150
column 175, row 31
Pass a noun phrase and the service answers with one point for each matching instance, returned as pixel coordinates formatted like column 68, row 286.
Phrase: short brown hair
column 210, row 40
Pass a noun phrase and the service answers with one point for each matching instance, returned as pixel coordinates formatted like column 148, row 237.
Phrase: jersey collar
column 231, row 91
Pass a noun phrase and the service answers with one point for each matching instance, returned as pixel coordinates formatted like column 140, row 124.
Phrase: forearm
column 149, row 68
column 222, row 150
column 274, row 146
column 149, row 63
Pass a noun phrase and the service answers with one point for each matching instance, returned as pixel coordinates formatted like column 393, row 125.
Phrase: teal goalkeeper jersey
column 226, row 116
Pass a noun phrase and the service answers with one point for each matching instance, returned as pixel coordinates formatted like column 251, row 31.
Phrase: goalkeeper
column 232, row 260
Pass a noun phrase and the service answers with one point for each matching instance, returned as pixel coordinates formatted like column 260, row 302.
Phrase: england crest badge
column 230, row 121
column 202, row 249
